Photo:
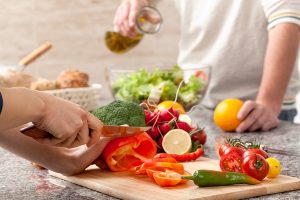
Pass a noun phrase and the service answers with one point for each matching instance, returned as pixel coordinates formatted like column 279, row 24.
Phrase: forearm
column 278, row 66
column 20, row 106
column 62, row 160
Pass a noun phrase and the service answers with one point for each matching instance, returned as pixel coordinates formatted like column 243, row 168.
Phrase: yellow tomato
column 274, row 167
column 225, row 114
column 167, row 104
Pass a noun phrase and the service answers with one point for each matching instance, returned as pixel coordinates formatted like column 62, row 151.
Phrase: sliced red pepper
column 168, row 178
column 159, row 166
column 183, row 157
column 120, row 153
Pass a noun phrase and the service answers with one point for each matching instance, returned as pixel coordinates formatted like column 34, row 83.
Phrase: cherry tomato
column 199, row 136
column 201, row 74
column 223, row 148
column 274, row 167
column 257, row 151
column 231, row 163
column 238, row 150
column 255, row 165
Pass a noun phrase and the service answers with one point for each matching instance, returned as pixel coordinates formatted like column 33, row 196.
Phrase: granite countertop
column 20, row 180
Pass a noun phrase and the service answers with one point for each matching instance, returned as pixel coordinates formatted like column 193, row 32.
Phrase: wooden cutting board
column 125, row 185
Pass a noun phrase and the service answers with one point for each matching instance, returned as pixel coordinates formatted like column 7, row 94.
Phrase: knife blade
column 219, row 140
column 107, row 131
column 279, row 151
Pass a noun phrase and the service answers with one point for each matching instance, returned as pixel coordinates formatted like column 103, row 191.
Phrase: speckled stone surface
column 19, row 180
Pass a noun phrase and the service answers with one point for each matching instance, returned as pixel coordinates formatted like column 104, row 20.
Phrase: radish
column 154, row 132
column 184, row 126
column 147, row 116
column 176, row 114
column 159, row 142
column 164, row 128
column 167, row 114
column 152, row 119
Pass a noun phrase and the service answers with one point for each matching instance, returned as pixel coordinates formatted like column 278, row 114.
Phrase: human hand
column 257, row 116
column 69, row 124
column 125, row 18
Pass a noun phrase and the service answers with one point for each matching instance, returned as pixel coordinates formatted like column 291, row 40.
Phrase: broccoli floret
column 120, row 113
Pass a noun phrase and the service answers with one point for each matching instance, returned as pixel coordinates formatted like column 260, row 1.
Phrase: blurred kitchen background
column 76, row 29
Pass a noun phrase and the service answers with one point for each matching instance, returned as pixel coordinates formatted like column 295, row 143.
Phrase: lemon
column 177, row 141
column 185, row 118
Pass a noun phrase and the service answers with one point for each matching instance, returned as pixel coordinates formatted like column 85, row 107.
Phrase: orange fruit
column 167, row 104
column 225, row 114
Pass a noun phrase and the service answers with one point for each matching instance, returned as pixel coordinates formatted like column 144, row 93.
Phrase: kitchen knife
column 107, row 131
column 288, row 152
column 279, row 151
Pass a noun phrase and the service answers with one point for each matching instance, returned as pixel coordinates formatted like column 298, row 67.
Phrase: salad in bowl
column 186, row 86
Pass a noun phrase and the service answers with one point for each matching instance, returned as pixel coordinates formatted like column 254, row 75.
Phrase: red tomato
column 255, row 165
column 257, row 151
column 223, row 148
column 238, row 150
column 231, row 163
column 201, row 74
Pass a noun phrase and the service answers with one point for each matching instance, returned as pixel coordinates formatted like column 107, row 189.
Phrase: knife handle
column 35, row 132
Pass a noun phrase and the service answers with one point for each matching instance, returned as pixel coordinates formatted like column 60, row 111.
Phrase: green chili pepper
column 206, row 178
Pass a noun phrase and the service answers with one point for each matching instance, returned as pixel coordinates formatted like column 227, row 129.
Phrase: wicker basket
column 87, row 97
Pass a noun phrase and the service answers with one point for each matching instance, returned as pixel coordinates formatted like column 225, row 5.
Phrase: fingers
column 256, row 117
column 134, row 9
column 247, row 107
column 95, row 126
column 82, row 137
column 248, row 115
column 68, row 142
column 125, row 19
column 269, row 125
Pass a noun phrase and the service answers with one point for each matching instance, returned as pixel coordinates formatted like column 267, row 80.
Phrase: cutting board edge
column 108, row 191
column 253, row 192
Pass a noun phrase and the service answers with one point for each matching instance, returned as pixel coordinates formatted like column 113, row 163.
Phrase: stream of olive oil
column 120, row 44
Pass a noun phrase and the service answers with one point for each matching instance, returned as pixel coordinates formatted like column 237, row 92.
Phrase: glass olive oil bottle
column 148, row 21
column 120, row 44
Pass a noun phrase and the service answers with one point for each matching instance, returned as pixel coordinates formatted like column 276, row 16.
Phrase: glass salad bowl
column 155, row 85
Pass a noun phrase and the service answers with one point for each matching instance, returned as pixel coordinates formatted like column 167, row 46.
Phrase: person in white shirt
column 252, row 48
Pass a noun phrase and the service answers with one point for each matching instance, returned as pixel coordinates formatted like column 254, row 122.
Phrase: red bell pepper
column 120, row 153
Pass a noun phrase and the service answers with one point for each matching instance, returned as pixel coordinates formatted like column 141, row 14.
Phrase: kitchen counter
column 20, row 180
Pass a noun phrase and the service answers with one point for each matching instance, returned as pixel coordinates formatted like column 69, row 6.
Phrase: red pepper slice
column 120, row 153
column 183, row 157
column 168, row 178
column 159, row 166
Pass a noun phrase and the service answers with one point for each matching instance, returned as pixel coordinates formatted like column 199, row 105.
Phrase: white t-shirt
column 232, row 36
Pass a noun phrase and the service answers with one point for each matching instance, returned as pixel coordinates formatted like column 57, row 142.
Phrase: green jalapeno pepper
column 206, row 178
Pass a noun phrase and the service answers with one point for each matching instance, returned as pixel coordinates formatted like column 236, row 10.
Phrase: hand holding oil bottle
column 131, row 22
